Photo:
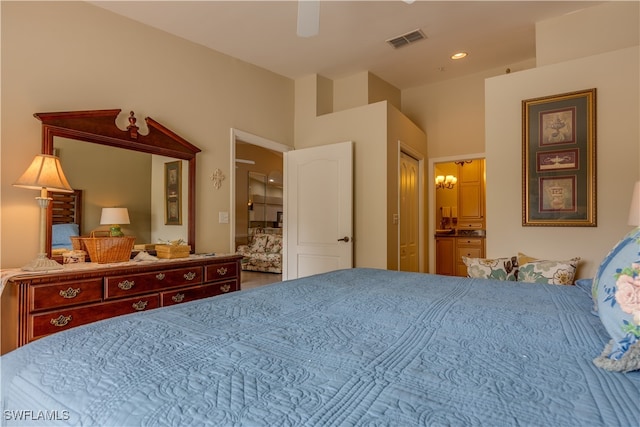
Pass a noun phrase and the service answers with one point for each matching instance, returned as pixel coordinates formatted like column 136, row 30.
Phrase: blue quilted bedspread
column 353, row 347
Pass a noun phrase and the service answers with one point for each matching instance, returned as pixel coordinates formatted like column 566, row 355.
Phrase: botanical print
column 558, row 194
column 557, row 160
column 558, row 137
column 557, row 127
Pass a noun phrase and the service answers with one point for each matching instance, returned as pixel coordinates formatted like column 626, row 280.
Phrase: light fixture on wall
column 448, row 181
column 114, row 217
column 44, row 174
column 463, row 162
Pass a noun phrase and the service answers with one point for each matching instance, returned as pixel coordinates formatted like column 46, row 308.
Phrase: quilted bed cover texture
column 347, row 348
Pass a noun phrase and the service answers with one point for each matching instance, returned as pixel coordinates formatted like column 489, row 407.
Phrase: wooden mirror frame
column 99, row 127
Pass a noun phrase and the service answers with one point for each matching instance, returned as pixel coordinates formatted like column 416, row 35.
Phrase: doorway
column 259, row 155
column 440, row 166
column 409, row 213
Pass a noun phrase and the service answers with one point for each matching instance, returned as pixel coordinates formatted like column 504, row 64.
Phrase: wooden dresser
column 47, row 303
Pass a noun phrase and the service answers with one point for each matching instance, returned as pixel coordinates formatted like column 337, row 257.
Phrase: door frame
column 409, row 151
column 432, row 198
column 249, row 138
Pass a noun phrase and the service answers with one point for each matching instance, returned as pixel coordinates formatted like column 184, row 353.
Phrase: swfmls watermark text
column 29, row 415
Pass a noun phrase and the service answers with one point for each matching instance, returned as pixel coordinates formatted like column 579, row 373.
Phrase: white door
column 318, row 210
column 409, row 213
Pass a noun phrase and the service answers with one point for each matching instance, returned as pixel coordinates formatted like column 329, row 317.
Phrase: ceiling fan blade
column 308, row 18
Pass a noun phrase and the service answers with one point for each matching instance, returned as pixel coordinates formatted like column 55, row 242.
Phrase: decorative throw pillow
column 617, row 288
column 496, row 268
column 259, row 243
column 550, row 272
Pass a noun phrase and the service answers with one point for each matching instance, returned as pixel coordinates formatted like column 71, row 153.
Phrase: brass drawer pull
column 225, row 288
column 126, row 285
column 222, row 271
column 70, row 293
column 178, row 297
column 61, row 321
column 140, row 305
column 190, row 275
column 160, row 276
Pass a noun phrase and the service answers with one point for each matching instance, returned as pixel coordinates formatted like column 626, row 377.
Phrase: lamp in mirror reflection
column 448, row 181
column 44, row 174
column 114, row 217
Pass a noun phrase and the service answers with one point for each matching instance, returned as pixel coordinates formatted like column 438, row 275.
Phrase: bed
column 350, row 347
column 66, row 220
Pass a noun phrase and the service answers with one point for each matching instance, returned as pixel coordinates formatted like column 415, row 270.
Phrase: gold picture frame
column 559, row 160
column 173, row 193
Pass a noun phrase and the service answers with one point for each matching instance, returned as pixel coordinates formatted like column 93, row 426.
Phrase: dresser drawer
column 54, row 295
column 59, row 320
column 197, row 292
column 221, row 271
column 132, row 284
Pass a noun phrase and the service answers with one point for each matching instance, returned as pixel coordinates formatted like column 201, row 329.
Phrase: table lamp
column 44, row 174
column 114, row 217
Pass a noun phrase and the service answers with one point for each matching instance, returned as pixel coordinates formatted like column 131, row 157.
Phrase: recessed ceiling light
column 459, row 55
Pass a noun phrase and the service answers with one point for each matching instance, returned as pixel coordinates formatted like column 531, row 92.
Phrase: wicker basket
column 105, row 249
column 173, row 251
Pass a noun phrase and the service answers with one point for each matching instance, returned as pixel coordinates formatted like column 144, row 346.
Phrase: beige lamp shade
column 44, row 172
column 634, row 211
column 114, row 216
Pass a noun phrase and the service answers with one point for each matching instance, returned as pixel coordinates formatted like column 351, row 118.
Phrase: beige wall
column 598, row 29
column 64, row 56
column 376, row 130
column 452, row 112
column 404, row 135
column 615, row 76
column 366, row 126
column 109, row 177
column 454, row 115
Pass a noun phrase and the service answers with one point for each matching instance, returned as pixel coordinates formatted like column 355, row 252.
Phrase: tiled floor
column 254, row 279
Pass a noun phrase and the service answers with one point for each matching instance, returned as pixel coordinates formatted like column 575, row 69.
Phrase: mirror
column 138, row 164
column 265, row 202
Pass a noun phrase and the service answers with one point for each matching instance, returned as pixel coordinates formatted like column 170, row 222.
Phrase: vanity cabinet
column 451, row 249
column 445, row 256
column 471, row 188
column 471, row 247
column 52, row 302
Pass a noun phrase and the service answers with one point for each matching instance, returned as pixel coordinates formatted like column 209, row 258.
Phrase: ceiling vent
column 405, row 39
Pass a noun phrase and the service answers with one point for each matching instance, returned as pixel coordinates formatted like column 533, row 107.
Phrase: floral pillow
column 550, row 272
column 259, row 243
column 617, row 291
column 496, row 268
column 274, row 243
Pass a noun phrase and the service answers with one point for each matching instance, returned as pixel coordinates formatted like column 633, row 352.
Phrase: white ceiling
column 352, row 36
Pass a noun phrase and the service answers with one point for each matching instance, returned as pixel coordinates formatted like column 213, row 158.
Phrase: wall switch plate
column 223, row 217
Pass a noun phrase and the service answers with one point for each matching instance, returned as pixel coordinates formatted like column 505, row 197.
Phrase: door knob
column 344, row 239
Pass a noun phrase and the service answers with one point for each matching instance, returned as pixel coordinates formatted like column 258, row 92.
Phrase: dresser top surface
column 88, row 270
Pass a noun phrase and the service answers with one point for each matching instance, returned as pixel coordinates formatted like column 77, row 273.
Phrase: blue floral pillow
column 617, row 292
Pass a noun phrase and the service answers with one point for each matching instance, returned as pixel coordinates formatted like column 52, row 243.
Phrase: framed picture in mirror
column 172, row 193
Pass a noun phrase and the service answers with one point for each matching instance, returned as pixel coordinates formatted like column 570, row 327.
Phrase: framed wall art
column 173, row 193
column 559, row 160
